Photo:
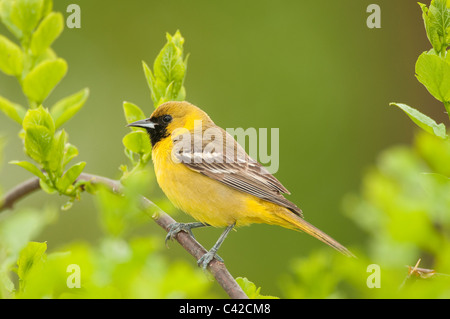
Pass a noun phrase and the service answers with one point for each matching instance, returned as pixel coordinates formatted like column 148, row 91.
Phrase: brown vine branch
column 217, row 268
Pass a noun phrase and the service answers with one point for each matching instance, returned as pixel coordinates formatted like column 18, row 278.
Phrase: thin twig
column 217, row 268
column 15, row 194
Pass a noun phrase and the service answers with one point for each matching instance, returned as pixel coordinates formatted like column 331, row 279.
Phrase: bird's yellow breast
column 205, row 199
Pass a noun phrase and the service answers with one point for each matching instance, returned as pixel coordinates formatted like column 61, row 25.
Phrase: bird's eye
column 167, row 118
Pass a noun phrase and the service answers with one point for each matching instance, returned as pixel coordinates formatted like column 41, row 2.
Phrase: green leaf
column 11, row 57
column 38, row 117
column 68, row 205
column 23, row 226
column 12, row 110
column 5, row 281
column 132, row 112
column 437, row 24
column 55, row 160
column 38, row 84
column 434, row 73
column 169, row 70
column 48, row 31
column 15, row 233
column 5, row 15
column 169, row 65
column 137, row 142
column 70, row 152
column 30, row 167
column 250, row 289
column 38, row 143
column 47, row 7
column 47, row 187
column 423, row 121
column 32, row 256
column 155, row 94
column 39, row 131
column 25, row 14
column 70, row 176
column 66, row 108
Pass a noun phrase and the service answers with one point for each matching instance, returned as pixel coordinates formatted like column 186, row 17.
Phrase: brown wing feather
column 224, row 160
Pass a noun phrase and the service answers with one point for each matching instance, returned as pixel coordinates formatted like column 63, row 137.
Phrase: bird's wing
column 221, row 158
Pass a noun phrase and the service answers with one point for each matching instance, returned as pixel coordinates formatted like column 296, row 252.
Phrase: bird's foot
column 175, row 228
column 204, row 261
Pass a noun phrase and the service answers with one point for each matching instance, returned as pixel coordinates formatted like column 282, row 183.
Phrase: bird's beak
column 147, row 124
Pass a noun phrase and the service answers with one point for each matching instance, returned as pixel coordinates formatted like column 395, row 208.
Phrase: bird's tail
column 298, row 223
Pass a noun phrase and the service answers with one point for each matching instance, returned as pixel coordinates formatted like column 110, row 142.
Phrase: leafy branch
column 217, row 268
column 433, row 66
column 169, row 70
column 38, row 70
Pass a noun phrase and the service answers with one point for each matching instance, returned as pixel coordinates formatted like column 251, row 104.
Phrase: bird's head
column 170, row 116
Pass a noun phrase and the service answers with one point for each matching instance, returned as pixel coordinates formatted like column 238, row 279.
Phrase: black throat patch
column 159, row 132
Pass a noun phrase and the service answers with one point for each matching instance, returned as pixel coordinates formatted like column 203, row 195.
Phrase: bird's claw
column 204, row 261
column 175, row 228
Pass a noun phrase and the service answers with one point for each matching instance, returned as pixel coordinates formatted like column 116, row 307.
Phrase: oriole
column 214, row 180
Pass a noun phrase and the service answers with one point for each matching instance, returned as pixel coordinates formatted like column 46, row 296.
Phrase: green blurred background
column 312, row 69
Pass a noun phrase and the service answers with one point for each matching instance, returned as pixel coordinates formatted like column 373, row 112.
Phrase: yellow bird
column 208, row 175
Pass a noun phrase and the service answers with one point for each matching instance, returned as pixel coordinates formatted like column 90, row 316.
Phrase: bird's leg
column 206, row 258
column 175, row 228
